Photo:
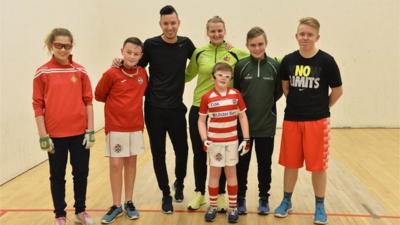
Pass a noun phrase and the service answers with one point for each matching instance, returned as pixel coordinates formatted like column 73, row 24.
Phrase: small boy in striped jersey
column 219, row 110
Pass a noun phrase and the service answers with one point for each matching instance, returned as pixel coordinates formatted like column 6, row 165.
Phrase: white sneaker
column 61, row 220
column 84, row 218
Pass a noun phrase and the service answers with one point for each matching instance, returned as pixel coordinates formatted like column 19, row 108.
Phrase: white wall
column 362, row 35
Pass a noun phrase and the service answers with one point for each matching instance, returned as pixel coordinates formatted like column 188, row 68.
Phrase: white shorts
column 124, row 144
column 221, row 155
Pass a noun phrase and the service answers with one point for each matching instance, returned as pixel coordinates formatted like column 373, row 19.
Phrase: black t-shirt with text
column 309, row 82
column 167, row 63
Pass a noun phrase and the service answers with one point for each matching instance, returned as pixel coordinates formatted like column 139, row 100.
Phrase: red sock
column 213, row 193
column 232, row 195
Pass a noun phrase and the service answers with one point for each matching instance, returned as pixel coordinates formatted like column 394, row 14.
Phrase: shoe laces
column 211, row 210
column 111, row 210
column 233, row 212
column 130, row 206
column 320, row 209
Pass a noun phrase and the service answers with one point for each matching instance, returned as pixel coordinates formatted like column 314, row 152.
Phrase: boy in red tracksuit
column 122, row 90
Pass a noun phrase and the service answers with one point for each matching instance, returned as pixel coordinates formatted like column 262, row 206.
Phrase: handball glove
column 46, row 144
column 244, row 146
column 89, row 139
column 207, row 144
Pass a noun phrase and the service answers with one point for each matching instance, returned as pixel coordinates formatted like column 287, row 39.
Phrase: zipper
column 215, row 56
column 258, row 69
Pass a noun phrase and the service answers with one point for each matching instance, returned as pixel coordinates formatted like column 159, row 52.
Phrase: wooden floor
column 363, row 187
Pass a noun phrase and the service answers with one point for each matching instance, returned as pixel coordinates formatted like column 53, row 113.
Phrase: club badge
column 140, row 80
column 218, row 157
column 117, row 148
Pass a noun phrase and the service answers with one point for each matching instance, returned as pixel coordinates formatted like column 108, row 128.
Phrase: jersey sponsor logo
column 248, row 77
column 267, row 78
column 224, row 114
column 214, row 104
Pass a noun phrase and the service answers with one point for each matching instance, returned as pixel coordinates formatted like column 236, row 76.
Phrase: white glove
column 89, row 139
column 46, row 144
column 244, row 146
column 207, row 144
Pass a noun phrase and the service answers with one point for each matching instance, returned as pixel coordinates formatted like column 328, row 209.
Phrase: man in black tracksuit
column 167, row 55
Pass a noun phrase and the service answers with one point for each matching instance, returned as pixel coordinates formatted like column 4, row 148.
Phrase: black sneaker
column 178, row 192
column 166, row 206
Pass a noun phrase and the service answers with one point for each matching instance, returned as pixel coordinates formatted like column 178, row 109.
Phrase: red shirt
column 222, row 114
column 61, row 94
column 123, row 96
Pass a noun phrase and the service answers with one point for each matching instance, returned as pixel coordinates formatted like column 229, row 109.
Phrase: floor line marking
column 333, row 214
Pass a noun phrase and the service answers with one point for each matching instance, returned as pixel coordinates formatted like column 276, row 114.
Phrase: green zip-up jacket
column 260, row 86
column 203, row 60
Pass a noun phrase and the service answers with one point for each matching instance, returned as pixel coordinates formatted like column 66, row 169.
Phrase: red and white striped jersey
column 222, row 114
column 61, row 94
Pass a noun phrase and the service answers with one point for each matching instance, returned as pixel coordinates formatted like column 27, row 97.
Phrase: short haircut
column 221, row 66
column 135, row 41
column 167, row 10
column 310, row 21
column 215, row 19
column 255, row 32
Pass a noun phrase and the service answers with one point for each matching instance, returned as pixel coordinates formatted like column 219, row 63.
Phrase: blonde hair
column 57, row 32
column 310, row 21
column 255, row 32
column 215, row 19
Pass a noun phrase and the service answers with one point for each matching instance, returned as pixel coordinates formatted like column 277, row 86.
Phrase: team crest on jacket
column 218, row 157
column 226, row 58
column 73, row 78
column 140, row 80
column 117, row 148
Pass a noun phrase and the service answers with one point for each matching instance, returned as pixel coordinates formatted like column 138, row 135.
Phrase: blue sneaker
column 263, row 207
column 283, row 209
column 130, row 210
column 211, row 214
column 241, row 202
column 113, row 213
column 233, row 215
column 320, row 216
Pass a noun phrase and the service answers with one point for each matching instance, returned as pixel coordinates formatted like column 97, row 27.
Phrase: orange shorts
column 305, row 141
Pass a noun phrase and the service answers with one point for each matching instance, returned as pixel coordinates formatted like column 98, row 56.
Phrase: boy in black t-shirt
column 307, row 75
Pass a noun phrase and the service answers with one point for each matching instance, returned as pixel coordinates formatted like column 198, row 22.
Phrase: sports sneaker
column 166, row 206
column 61, row 220
column 283, row 209
column 233, row 215
column 221, row 203
column 197, row 202
column 241, row 202
column 84, row 218
column 112, row 213
column 320, row 216
column 263, row 207
column 211, row 214
column 130, row 210
column 178, row 192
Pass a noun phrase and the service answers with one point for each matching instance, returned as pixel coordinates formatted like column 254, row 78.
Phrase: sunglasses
column 61, row 46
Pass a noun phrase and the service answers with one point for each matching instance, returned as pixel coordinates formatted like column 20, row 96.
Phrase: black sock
column 287, row 195
column 319, row 200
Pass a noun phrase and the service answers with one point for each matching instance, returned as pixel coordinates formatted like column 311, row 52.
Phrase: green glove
column 89, row 139
column 46, row 144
